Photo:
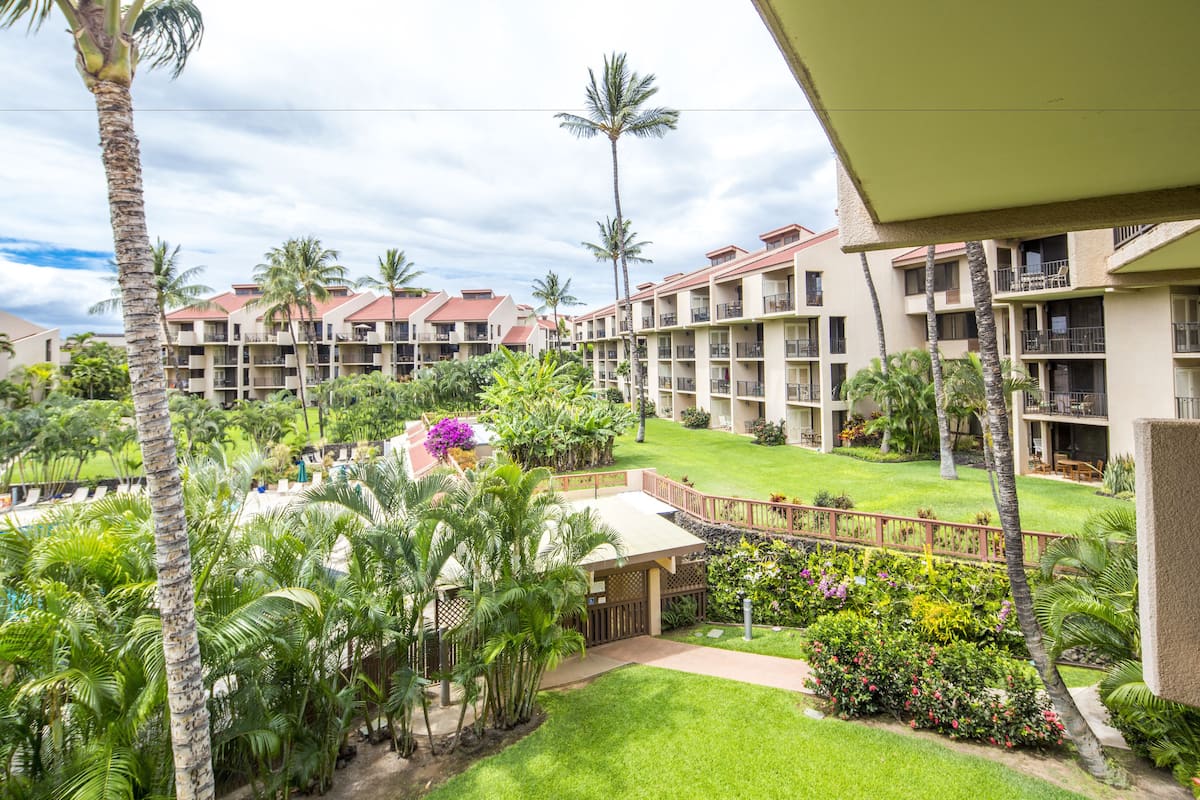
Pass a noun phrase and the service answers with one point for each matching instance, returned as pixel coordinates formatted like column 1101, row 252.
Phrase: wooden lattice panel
column 687, row 575
column 625, row 586
column 452, row 611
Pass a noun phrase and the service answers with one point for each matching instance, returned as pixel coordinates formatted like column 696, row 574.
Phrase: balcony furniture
column 700, row 314
column 810, row 438
column 724, row 423
column 667, row 320
column 1037, row 465
column 776, row 303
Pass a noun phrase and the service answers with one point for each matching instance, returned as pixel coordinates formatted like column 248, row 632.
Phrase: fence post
column 833, row 518
column 984, row 553
column 444, row 667
column 750, row 515
column 879, row 531
column 929, row 536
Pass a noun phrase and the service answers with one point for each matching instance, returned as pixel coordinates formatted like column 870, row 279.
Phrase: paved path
column 781, row 673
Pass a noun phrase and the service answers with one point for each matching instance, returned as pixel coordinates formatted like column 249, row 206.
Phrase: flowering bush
column 447, row 433
column 865, row 667
column 695, row 418
column 770, row 434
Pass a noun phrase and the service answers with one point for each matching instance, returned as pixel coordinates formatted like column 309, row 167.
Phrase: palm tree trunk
column 886, row 444
column 948, row 471
column 635, row 366
column 299, row 370
column 189, row 722
column 554, row 317
column 1077, row 727
column 311, row 333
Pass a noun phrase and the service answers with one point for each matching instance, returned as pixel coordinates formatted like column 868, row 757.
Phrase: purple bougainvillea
column 449, row 433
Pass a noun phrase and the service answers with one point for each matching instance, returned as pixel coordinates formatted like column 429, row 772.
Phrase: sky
column 423, row 126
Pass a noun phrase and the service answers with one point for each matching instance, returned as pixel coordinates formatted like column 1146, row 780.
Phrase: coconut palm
column 881, row 338
column 947, row 468
column 611, row 248
column 554, row 292
column 280, row 300
column 614, row 108
column 174, row 285
column 396, row 272
column 1009, row 511
column 110, row 41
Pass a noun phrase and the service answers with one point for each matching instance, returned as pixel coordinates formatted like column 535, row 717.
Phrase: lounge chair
column 100, row 492
column 138, row 488
column 30, row 500
column 315, row 480
column 343, row 456
column 284, row 487
column 122, row 488
column 79, row 495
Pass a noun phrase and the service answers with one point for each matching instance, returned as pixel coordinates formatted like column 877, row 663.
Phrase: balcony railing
column 1187, row 337
column 815, row 297
column 1127, row 233
column 1187, row 407
column 775, row 303
column 612, row 354
column 719, row 386
column 1071, row 404
column 685, row 351
column 216, row 336
column 664, row 352
column 624, row 325
column 257, row 338
column 685, row 384
column 700, row 314
column 1034, row 277
column 475, row 336
column 223, row 383
column 666, row 320
column 837, row 345
column 647, row 322
column 1073, row 340
column 804, row 392
column 750, row 389
column 664, row 382
column 802, row 348
column 729, row 310
column 750, row 350
column 718, row 350
column 269, row 362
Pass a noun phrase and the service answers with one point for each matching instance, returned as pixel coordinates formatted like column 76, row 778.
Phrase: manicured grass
column 1080, row 676
column 724, row 463
column 642, row 732
column 786, row 642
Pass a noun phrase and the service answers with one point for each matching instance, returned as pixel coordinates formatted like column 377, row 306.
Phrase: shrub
column 854, row 432
column 465, row 458
column 926, row 513
column 769, row 434
column 872, row 454
column 1118, row 475
column 865, row 667
column 613, row 395
column 679, row 613
column 778, row 497
column 827, row 499
column 686, row 481
column 448, row 433
column 983, row 517
column 648, row 406
column 695, row 418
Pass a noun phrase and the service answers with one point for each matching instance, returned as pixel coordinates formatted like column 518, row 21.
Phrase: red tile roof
column 323, row 307
column 518, row 334
column 229, row 301
column 780, row 231
column 380, row 310
column 765, row 259
column 917, row 254
column 547, row 324
column 465, row 310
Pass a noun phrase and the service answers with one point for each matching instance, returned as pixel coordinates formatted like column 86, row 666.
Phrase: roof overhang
column 960, row 121
column 1169, row 246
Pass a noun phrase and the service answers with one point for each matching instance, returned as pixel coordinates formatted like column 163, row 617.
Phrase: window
column 957, row 326
column 812, row 287
column 837, row 373
column 837, row 334
column 945, row 276
column 1037, row 252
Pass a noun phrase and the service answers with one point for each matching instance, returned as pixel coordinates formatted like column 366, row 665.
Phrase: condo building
column 774, row 333
column 31, row 344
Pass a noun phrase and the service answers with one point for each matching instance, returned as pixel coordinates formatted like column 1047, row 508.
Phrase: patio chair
column 79, row 495
column 284, row 487
column 30, row 500
column 100, row 492
column 315, row 480
column 343, row 456
column 1061, row 278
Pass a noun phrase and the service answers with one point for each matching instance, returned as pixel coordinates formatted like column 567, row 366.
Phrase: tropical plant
column 614, row 107
column 554, row 292
column 449, row 433
column 1005, row 489
column 947, row 469
column 904, row 390
column 1119, row 476
column 881, row 339
column 6, row 345
column 770, row 434
column 695, row 417
column 96, row 371
column 174, row 286
column 197, row 423
column 396, row 273
column 368, row 407
column 266, row 421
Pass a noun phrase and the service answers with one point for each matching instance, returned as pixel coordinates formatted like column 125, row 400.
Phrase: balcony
column 1068, row 404
column 687, row 351
column 1034, row 277
column 778, row 303
column 257, row 338
column 700, row 314
column 217, row 336
column 729, row 310
column 1187, row 407
column 719, row 386
column 664, row 352
column 750, row 389
column 269, row 383
column 272, row 361
column 195, row 362
column 223, row 383
column 197, row 385
column 1187, row 337
column 685, row 384
column 802, row 348
column 1127, row 233
column 1073, row 340
column 664, row 382
column 719, row 350
column 814, row 297
column 624, row 326
column 804, row 393
column 666, row 320
column 647, row 322
column 611, row 355
column 750, row 350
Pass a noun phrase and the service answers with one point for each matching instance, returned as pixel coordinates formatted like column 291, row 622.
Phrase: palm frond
column 166, row 33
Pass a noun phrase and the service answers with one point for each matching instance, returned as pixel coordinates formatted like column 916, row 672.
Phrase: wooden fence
column 938, row 537
column 595, row 481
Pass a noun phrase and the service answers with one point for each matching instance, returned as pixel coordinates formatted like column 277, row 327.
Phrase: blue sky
column 424, row 126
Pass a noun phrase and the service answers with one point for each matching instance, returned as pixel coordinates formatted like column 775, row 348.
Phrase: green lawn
column 724, row 463
column 643, row 732
column 786, row 642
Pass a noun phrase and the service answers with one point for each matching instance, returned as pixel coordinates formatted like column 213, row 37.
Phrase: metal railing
column 1123, row 234
column 685, row 351
column 476, row 336
column 664, row 352
column 667, row 320
column 1187, row 337
column 960, row 540
column 719, row 386
column 729, row 310
column 750, row 389
column 719, row 350
column 257, row 338
column 815, row 298
column 664, row 382
column 647, row 322
column 1070, row 404
column 624, row 326
column 1034, row 277
column 802, row 348
column 804, row 392
column 269, row 362
column 750, row 350
column 837, row 345
column 750, row 424
column 216, row 336
column 776, row 303
column 1073, row 340
column 1187, row 407
column 685, row 384
column 612, row 354
column 700, row 314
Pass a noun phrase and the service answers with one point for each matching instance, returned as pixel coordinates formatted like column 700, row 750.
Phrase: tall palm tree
column 614, row 108
column 615, row 247
column 110, row 40
column 948, row 470
column 554, row 292
column 1009, row 510
column 885, row 444
column 174, row 286
column 396, row 272
column 280, row 300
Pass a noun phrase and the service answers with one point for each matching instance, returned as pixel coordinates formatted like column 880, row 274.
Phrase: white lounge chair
column 79, row 495
column 30, row 500
column 100, row 492
column 122, row 488
column 138, row 488
column 343, row 456
column 284, row 487
column 315, row 480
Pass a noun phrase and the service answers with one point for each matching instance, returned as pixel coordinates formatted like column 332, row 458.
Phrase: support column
column 654, row 598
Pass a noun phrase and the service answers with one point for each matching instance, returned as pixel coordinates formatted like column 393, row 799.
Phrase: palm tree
column 110, row 40
column 885, row 445
column 948, row 471
column 6, row 345
column 280, row 299
column 554, row 292
column 614, row 109
column 615, row 248
column 1008, row 508
column 315, row 269
column 174, row 286
column 396, row 272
